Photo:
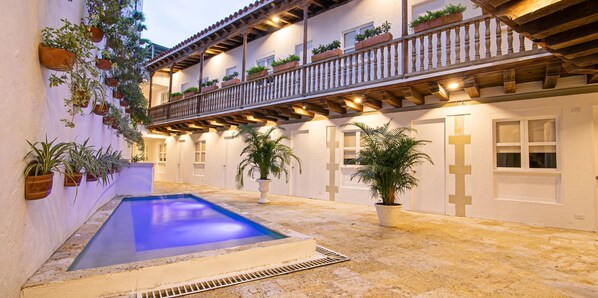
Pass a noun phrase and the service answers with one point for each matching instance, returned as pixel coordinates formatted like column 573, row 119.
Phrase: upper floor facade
column 479, row 51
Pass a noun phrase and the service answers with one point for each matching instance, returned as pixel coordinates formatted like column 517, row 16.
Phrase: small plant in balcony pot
column 47, row 158
column 78, row 157
column 210, row 85
column 257, row 72
column 231, row 79
column 386, row 163
column 432, row 19
column 176, row 96
column 288, row 63
column 265, row 155
column 190, row 91
column 374, row 36
column 326, row 51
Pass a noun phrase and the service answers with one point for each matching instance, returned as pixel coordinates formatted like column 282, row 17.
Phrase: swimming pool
column 163, row 226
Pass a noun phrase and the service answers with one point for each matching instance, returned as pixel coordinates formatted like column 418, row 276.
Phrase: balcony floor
column 429, row 255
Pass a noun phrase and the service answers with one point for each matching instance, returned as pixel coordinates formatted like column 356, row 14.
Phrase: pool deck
column 427, row 256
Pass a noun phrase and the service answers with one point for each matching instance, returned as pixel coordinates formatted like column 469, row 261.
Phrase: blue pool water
column 162, row 226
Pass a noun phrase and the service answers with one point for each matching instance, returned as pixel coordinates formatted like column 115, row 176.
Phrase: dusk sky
column 170, row 22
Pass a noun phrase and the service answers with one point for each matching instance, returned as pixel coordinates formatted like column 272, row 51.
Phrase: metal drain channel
column 329, row 257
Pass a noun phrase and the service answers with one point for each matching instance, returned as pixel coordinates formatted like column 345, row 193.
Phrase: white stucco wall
column 573, row 207
column 30, row 231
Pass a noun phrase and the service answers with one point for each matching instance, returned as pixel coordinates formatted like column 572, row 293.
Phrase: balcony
column 478, row 52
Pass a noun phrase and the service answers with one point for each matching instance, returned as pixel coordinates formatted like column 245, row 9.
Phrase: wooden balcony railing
column 479, row 40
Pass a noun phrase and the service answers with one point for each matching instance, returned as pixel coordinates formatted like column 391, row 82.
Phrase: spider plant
column 264, row 154
column 96, row 169
column 79, row 156
column 386, row 161
column 47, row 158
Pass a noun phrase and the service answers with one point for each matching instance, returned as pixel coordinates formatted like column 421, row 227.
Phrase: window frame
column 525, row 144
column 299, row 46
column 265, row 59
column 357, row 146
column 200, row 151
column 230, row 70
column 356, row 30
column 162, row 153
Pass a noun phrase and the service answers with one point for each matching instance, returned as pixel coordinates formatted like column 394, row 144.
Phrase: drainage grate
column 328, row 257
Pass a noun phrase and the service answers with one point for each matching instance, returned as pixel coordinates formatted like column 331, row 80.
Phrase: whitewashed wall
column 323, row 29
column 30, row 231
column 575, row 204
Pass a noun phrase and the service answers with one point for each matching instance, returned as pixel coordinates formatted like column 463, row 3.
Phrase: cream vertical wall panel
column 32, row 230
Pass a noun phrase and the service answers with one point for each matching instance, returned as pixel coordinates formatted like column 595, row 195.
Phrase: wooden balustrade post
column 201, row 62
column 151, row 84
column 404, row 43
column 305, row 21
column 170, row 81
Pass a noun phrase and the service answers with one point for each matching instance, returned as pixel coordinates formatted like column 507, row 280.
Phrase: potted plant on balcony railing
column 374, row 36
column 432, row 19
column 210, row 85
column 326, row 51
column 39, row 173
column 288, row 63
column 190, row 91
column 176, row 96
column 256, row 72
column 265, row 155
column 231, row 79
column 386, row 162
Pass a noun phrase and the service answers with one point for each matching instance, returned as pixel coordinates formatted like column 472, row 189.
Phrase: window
column 164, row 97
column 200, row 152
column 349, row 37
column 162, row 153
column 299, row 51
column 204, row 80
column 185, row 86
column 351, row 147
column 526, row 143
column 267, row 62
column 231, row 70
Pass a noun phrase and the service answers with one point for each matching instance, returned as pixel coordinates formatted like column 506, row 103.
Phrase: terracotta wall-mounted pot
column 56, row 59
column 38, row 187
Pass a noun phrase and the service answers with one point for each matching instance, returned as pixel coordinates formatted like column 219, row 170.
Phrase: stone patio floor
column 427, row 256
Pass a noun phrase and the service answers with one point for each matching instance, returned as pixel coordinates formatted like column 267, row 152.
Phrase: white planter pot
column 264, row 188
column 388, row 216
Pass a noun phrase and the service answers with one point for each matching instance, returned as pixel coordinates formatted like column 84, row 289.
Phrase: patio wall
column 30, row 231
column 561, row 198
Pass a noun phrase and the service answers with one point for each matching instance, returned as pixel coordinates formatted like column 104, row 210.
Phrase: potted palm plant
column 48, row 158
column 326, row 51
column 265, row 155
column 288, row 63
column 372, row 37
column 386, row 163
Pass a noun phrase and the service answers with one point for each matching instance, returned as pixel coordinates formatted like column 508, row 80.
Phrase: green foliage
column 230, row 76
column 191, row 89
column 290, row 58
column 386, row 161
column 209, row 83
column 432, row 15
column 368, row 33
column 175, row 94
column 326, row 47
column 138, row 158
column 79, row 156
column 264, row 154
column 256, row 69
column 126, row 127
column 47, row 157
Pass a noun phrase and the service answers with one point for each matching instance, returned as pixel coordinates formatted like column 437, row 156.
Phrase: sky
column 172, row 21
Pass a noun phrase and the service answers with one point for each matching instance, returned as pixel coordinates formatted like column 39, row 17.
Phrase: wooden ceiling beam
column 437, row 90
column 593, row 78
column 261, row 116
column 334, row 106
column 567, row 19
column 570, row 38
column 580, row 50
column 275, row 115
column 525, row 11
column 301, row 111
column 243, row 118
column 553, row 73
column 350, row 104
column 589, row 60
column 314, row 108
column 471, row 86
column 288, row 112
column 413, row 96
column 372, row 103
column 509, row 81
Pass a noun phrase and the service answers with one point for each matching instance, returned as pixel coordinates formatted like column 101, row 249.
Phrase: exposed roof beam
column 334, row 106
column 413, row 96
column 567, row 19
column 593, row 78
column 391, row 99
column 471, row 87
column 261, row 116
column 525, row 11
column 314, row 108
column 553, row 73
column 353, row 105
column 301, row 111
column 509, row 83
column 438, row 91
column 372, row 103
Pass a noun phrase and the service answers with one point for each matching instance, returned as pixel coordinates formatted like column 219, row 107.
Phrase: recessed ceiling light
column 453, row 86
column 358, row 99
column 304, row 107
column 275, row 19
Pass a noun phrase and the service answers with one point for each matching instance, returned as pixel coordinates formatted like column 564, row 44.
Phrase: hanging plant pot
column 100, row 110
column 75, row 180
column 124, row 103
column 128, row 110
column 91, row 178
column 103, row 64
column 84, row 99
column 56, row 59
column 38, row 187
column 95, row 34
column 107, row 120
column 114, row 125
column 117, row 94
column 112, row 43
column 111, row 82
